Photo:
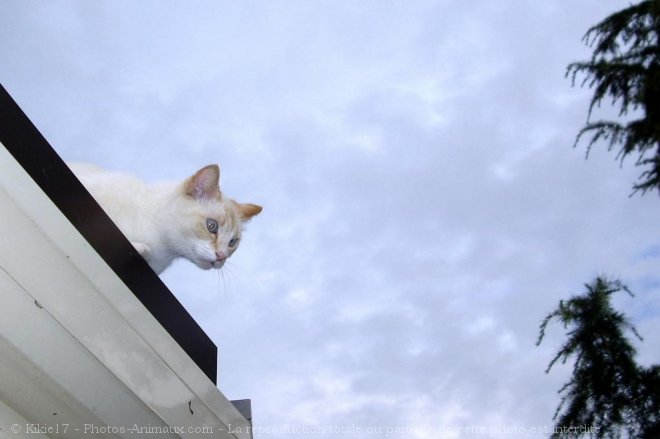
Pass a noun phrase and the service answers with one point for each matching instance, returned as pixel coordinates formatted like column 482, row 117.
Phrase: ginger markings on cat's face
column 219, row 221
column 191, row 219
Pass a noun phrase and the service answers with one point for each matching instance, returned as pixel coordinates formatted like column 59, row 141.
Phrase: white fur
column 164, row 221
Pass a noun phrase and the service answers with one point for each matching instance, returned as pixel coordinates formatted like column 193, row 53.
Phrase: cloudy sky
column 423, row 206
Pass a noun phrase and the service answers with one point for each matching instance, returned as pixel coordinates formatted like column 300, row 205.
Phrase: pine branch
column 625, row 67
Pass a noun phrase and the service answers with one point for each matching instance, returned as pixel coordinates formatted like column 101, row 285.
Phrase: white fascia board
column 8, row 419
column 68, row 318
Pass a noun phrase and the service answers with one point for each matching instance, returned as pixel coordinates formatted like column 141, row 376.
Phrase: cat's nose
column 220, row 256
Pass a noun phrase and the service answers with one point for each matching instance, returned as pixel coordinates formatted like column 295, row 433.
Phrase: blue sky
column 423, row 206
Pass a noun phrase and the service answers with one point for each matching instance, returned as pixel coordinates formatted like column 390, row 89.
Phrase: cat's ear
column 247, row 211
column 204, row 185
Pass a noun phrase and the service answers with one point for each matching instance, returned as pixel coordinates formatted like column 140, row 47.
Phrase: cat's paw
column 142, row 248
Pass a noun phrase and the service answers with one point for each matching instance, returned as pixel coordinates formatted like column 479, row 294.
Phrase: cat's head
column 209, row 225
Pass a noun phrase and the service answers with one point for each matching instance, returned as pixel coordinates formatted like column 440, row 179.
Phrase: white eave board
column 76, row 346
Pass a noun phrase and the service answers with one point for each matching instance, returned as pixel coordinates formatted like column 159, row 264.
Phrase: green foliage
column 608, row 391
column 625, row 66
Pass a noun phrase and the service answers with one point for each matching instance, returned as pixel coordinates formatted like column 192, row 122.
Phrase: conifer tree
column 625, row 66
column 608, row 393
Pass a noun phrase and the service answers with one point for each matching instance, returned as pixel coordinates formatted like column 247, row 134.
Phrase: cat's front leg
column 142, row 248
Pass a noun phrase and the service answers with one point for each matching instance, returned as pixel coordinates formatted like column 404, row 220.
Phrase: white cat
column 164, row 221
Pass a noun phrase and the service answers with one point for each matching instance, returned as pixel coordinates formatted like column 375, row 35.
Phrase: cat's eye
column 233, row 242
column 212, row 225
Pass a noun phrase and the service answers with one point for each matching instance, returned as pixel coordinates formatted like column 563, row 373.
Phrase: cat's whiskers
column 220, row 278
column 226, row 274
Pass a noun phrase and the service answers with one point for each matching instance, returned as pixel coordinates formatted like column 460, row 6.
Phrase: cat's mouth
column 207, row 265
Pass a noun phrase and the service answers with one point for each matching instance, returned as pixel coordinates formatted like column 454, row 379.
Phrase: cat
column 165, row 221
